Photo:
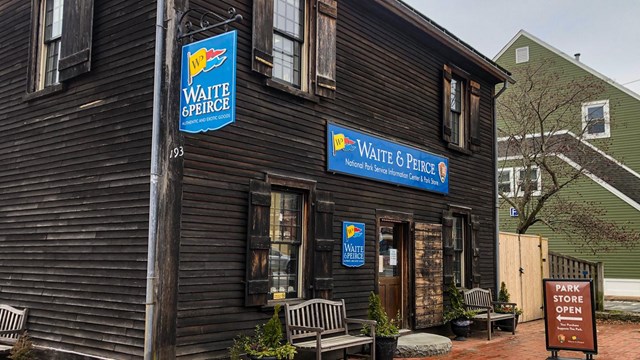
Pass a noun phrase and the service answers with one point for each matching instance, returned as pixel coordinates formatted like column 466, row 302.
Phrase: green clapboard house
column 614, row 142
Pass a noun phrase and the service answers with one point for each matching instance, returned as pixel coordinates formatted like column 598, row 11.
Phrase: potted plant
column 505, row 297
column 266, row 343
column 387, row 331
column 457, row 314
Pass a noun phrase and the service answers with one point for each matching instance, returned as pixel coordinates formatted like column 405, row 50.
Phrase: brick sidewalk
column 616, row 341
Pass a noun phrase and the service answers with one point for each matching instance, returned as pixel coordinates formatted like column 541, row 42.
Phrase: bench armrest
column 306, row 328
column 503, row 303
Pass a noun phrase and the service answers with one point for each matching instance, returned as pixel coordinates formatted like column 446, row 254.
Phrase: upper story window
column 50, row 47
column 457, row 112
column 595, row 119
column 283, row 35
column 61, row 39
column 505, row 181
column 461, row 122
column 528, row 180
column 288, row 41
column 522, row 55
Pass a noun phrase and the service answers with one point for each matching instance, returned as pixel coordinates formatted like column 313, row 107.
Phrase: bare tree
column 541, row 136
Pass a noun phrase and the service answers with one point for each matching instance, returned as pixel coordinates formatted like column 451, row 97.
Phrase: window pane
column 288, row 17
column 455, row 128
column 458, row 247
column 596, row 112
column 596, row 127
column 286, row 59
column 286, row 238
column 504, row 181
column 53, row 19
column 51, row 63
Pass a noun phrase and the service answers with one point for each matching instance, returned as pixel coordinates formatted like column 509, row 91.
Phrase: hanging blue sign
column 355, row 153
column 352, row 244
column 208, row 83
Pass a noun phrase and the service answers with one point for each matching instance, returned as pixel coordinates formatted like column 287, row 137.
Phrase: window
column 50, row 50
column 505, row 181
column 457, row 112
column 595, row 119
column 282, row 31
column 528, row 179
column 280, row 214
column 286, row 230
column 61, row 39
column 461, row 111
column 288, row 40
column 522, row 55
column 459, row 235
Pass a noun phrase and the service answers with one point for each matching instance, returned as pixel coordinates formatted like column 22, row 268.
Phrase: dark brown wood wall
column 74, row 191
column 388, row 82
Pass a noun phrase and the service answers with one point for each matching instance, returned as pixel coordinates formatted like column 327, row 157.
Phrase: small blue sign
column 355, row 153
column 208, row 83
column 513, row 212
column 352, row 244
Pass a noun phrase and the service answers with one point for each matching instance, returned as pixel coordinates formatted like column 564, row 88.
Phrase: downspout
column 495, row 183
column 153, row 182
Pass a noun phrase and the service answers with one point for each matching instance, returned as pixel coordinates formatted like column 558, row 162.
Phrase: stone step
column 417, row 345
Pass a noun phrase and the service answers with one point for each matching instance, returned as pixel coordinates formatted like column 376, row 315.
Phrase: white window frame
column 607, row 120
column 522, row 55
column 511, row 180
column 516, row 177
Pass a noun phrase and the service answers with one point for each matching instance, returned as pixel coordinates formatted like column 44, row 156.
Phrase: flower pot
column 507, row 324
column 386, row 347
column 461, row 328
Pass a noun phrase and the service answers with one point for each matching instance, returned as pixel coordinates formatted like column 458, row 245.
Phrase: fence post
column 600, row 286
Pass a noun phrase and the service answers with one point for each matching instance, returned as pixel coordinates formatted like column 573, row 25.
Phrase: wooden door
column 390, row 267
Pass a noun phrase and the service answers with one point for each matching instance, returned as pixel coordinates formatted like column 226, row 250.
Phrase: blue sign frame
column 352, row 244
column 355, row 153
column 208, row 83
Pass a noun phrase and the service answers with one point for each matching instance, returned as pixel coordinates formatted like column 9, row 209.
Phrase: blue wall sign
column 352, row 244
column 208, row 83
column 513, row 212
column 354, row 153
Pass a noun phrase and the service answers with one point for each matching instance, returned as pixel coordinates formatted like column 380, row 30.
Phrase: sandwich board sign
column 569, row 316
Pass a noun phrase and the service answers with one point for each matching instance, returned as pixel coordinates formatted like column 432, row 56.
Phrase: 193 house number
column 176, row 152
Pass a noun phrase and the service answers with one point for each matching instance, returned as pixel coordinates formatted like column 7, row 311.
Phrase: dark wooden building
column 251, row 214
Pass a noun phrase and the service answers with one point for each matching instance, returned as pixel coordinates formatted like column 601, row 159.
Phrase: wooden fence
column 569, row 267
column 523, row 265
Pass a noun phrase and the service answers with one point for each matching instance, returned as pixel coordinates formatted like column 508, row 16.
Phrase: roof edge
column 446, row 37
column 570, row 59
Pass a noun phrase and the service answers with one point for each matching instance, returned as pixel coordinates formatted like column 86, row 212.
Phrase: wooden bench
column 321, row 325
column 480, row 300
column 13, row 322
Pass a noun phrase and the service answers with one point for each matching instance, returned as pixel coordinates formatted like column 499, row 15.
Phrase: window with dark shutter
column 461, row 249
column 327, row 14
column 323, row 245
column 258, row 244
column 446, row 104
column 474, row 117
column 262, row 54
column 77, row 30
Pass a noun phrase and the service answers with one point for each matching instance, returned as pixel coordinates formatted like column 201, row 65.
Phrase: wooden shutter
column 258, row 244
column 323, row 246
column 476, row 277
column 75, row 46
column 474, row 119
column 262, row 53
column 428, row 254
column 446, row 104
column 447, row 241
column 327, row 14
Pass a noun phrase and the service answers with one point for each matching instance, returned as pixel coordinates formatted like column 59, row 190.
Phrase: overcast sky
column 605, row 33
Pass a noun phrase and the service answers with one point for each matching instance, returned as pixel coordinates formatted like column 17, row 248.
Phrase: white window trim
column 607, row 120
column 511, row 180
column 522, row 55
column 516, row 177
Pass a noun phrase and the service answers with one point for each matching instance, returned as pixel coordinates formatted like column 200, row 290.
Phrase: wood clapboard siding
column 74, row 192
column 388, row 82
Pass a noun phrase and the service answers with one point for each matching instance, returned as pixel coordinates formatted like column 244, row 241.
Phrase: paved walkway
column 616, row 341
